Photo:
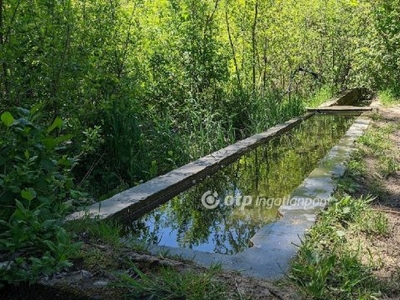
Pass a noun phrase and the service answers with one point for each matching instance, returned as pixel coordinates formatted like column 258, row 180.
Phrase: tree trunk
column 4, row 83
column 233, row 51
column 254, row 45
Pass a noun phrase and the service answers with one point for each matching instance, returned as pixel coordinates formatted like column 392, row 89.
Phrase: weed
column 374, row 223
column 311, row 271
column 216, row 267
column 325, row 267
column 377, row 144
column 347, row 185
column 171, row 284
column 105, row 231
column 388, row 129
column 349, row 209
column 164, row 253
column 376, row 188
column 356, row 167
column 332, row 274
column 388, row 165
column 98, row 259
column 387, row 98
column 139, row 246
column 375, row 141
column 319, row 97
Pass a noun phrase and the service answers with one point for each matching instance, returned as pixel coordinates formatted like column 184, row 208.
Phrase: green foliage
column 375, row 141
column 387, row 97
column 375, row 223
column 151, row 85
column 146, row 86
column 325, row 267
column 389, row 165
column 329, row 275
column 34, row 168
column 319, row 97
column 172, row 284
column 387, row 13
column 96, row 230
column 377, row 144
column 35, row 183
column 349, row 209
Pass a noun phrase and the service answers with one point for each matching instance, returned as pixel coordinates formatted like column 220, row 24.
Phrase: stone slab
column 339, row 109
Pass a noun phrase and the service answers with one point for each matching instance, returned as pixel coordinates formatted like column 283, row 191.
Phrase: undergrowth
column 387, row 97
column 36, row 191
column 326, row 267
column 169, row 283
column 332, row 262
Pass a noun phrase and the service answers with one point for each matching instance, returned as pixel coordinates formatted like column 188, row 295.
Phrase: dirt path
column 384, row 251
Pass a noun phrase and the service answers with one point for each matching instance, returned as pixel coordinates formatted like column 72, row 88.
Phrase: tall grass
column 319, row 97
column 271, row 110
column 326, row 266
column 388, row 97
column 140, row 145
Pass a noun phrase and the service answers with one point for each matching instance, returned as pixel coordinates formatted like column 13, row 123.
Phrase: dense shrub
column 34, row 185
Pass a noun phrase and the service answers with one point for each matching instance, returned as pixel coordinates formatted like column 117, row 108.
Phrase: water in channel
column 247, row 192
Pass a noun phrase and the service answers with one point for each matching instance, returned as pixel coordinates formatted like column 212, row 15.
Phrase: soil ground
column 383, row 251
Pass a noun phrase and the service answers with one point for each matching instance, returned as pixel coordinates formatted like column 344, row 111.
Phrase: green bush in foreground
column 34, row 183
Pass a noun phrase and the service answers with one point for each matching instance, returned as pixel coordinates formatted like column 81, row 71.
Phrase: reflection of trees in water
column 271, row 171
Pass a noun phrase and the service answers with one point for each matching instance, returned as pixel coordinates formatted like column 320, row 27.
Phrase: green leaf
column 28, row 194
column 63, row 138
column 23, row 111
column 36, row 108
column 7, row 118
column 76, row 194
column 56, row 124
column 346, row 210
column 24, row 122
column 48, row 164
column 65, row 161
column 49, row 143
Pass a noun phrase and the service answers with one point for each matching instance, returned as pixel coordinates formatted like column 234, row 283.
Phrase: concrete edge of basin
column 275, row 244
column 140, row 199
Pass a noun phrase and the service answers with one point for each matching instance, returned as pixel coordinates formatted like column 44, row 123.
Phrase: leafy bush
column 34, row 183
column 386, row 21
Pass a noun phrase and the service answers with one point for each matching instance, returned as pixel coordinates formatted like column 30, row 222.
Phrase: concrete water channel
column 248, row 205
column 222, row 213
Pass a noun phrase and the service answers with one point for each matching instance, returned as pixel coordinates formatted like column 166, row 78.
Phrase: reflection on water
column 272, row 170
